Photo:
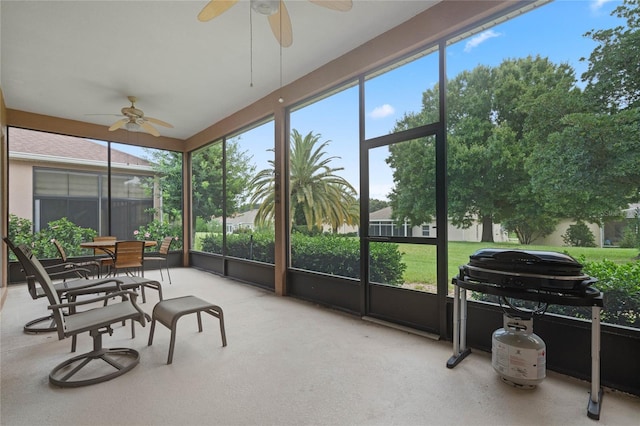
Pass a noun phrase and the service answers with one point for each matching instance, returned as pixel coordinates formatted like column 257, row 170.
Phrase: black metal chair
column 162, row 257
column 97, row 321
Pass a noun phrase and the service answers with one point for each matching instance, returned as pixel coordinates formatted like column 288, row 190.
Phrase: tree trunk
column 487, row 229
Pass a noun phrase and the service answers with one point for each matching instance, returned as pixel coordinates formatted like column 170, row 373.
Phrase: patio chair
column 44, row 324
column 162, row 257
column 80, row 268
column 129, row 257
column 71, row 289
column 82, row 370
column 105, row 262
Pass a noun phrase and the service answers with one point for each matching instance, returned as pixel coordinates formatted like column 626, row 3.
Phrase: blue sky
column 554, row 30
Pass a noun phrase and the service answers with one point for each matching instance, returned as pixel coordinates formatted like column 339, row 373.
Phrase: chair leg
column 144, row 297
column 172, row 342
column 153, row 328
column 168, row 273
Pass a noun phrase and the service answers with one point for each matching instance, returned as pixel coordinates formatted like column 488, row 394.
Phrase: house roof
column 53, row 145
column 382, row 214
column 239, row 218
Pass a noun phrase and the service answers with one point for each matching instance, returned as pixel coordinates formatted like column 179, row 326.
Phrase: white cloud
column 597, row 4
column 382, row 111
column 479, row 39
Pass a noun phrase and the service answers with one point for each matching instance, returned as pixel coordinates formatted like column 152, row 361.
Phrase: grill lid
column 531, row 261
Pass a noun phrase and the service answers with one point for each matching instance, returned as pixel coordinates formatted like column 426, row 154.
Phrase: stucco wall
column 21, row 190
column 555, row 239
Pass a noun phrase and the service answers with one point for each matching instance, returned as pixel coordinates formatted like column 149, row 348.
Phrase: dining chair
column 129, row 258
column 105, row 262
column 81, row 269
column 80, row 370
column 162, row 256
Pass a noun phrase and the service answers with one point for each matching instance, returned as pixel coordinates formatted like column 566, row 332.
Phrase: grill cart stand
column 591, row 297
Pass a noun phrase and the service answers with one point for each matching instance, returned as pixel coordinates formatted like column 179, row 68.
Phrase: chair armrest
column 89, row 284
column 121, row 293
column 67, row 271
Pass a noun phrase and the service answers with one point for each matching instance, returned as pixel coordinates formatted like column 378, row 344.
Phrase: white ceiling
column 70, row 59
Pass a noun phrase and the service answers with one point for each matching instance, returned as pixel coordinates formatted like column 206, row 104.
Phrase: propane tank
column 517, row 354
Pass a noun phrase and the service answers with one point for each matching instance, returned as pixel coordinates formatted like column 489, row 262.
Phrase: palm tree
column 317, row 195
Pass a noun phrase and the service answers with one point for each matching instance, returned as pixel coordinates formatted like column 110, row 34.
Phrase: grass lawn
column 421, row 259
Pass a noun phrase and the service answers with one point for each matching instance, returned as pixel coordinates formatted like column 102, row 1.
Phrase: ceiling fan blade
column 215, row 8
column 118, row 124
column 149, row 128
column 282, row 32
column 341, row 5
column 158, row 122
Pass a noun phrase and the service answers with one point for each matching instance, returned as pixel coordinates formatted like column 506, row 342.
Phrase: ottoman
column 169, row 311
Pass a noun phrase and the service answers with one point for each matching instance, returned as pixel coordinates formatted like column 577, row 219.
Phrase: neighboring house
column 613, row 232
column 381, row 224
column 555, row 238
column 239, row 221
column 54, row 176
column 610, row 234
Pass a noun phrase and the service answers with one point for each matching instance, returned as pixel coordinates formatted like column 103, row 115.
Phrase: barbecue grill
column 528, row 269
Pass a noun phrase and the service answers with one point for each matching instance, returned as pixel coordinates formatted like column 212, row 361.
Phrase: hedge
column 327, row 253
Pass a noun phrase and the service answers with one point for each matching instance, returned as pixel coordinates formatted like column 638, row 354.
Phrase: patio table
column 109, row 247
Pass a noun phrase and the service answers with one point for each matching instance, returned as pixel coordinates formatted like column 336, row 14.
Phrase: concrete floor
column 287, row 362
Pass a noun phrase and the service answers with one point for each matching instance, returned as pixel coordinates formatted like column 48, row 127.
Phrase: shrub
column 327, row 253
column 259, row 246
column 20, row 230
column 630, row 235
column 69, row 234
column 212, row 243
column 579, row 235
column 620, row 284
column 156, row 231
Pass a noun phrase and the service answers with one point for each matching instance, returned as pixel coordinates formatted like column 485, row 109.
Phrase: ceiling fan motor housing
column 132, row 112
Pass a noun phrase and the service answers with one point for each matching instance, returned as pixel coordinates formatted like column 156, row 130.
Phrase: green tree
column 317, row 195
column 375, row 205
column 590, row 168
column 208, row 183
column 490, row 137
column 168, row 168
column 613, row 75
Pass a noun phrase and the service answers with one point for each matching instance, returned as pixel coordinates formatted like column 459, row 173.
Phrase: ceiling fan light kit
column 265, row 7
column 131, row 126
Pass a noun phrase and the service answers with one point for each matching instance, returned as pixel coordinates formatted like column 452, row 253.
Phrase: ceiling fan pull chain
column 251, row 47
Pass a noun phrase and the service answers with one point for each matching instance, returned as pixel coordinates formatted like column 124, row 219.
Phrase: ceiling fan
column 135, row 119
column 276, row 13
